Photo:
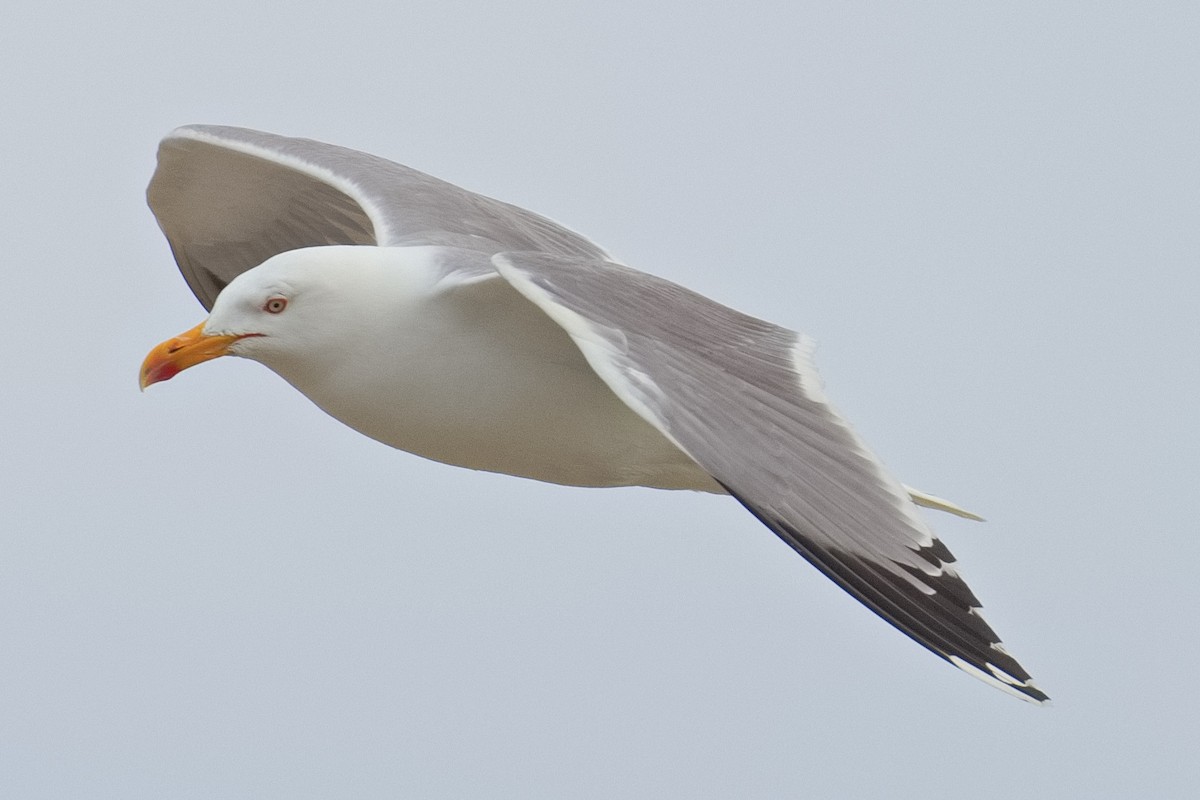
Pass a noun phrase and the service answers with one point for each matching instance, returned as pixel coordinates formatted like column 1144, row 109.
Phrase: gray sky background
column 986, row 216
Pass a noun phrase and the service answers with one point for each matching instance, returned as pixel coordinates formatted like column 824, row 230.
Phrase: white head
column 300, row 308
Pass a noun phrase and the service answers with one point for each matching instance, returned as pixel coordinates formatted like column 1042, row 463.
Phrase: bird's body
column 479, row 334
column 473, row 378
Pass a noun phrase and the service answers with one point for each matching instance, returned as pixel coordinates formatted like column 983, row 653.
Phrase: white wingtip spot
column 1001, row 680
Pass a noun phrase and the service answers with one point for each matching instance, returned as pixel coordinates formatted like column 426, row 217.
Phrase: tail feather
column 930, row 501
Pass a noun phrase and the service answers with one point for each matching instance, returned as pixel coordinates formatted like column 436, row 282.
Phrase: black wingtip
column 944, row 618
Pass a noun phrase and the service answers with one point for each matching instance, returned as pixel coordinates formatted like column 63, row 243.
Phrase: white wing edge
column 323, row 174
column 596, row 351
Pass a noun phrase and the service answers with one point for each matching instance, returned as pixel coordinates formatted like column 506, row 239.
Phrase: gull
column 476, row 333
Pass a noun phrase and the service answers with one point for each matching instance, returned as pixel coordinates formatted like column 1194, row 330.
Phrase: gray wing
column 740, row 397
column 230, row 198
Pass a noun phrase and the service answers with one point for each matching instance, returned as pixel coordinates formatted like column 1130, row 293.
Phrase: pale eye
column 275, row 305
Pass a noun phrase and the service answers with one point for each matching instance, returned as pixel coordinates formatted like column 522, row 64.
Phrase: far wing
column 230, row 198
column 741, row 397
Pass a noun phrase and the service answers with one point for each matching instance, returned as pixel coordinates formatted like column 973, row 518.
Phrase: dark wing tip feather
column 946, row 622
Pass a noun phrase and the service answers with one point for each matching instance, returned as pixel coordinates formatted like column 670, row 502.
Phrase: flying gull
column 479, row 334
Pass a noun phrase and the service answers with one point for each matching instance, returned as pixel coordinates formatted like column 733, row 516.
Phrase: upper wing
column 741, row 397
column 230, row 198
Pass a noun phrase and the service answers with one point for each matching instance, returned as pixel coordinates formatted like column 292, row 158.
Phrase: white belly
column 482, row 379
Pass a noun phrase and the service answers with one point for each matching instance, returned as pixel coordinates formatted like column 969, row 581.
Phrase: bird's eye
column 275, row 305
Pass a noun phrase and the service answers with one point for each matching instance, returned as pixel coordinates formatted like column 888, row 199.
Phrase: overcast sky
column 986, row 217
